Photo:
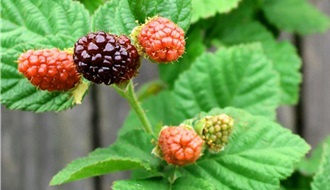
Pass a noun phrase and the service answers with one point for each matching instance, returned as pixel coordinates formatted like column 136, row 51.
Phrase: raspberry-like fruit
column 216, row 130
column 180, row 145
column 106, row 58
column 49, row 69
column 162, row 40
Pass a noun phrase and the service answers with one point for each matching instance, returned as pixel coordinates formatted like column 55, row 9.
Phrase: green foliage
column 208, row 8
column 92, row 5
column 119, row 16
column 287, row 64
column 309, row 166
column 283, row 55
column 130, row 151
column 31, row 21
column 322, row 177
column 295, row 16
column 240, row 76
column 161, row 184
column 149, row 184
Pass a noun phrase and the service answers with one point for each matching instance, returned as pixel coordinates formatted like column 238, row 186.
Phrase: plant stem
column 130, row 96
column 173, row 176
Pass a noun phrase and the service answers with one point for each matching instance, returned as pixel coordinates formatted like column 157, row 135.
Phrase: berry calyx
column 106, row 58
column 179, row 145
column 49, row 69
column 215, row 130
column 160, row 39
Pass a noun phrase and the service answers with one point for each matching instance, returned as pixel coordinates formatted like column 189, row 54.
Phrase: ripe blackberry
column 179, row 145
column 106, row 58
column 161, row 39
column 49, row 69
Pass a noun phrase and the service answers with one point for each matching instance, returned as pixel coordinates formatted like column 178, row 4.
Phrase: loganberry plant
column 212, row 127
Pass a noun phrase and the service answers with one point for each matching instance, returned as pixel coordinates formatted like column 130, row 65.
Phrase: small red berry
column 162, row 40
column 49, row 69
column 180, row 145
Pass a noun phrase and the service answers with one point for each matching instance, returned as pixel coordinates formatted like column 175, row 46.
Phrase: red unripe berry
column 162, row 40
column 49, row 69
column 180, row 145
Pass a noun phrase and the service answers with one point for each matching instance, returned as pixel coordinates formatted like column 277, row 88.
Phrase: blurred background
column 36, row 146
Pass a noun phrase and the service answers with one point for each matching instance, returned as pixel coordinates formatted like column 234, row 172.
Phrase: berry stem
column 130, row 96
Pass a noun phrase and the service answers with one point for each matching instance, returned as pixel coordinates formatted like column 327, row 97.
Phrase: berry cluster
column 106, row 58
column 102, row 57
column 49, row 69
column 183, row 145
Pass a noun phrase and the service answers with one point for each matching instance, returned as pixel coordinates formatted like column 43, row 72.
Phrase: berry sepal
column 79, row 91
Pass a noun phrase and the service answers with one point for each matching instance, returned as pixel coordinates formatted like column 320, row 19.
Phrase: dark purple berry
column 106, row 58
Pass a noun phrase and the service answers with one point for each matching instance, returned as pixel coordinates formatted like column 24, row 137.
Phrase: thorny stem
column 129, row 94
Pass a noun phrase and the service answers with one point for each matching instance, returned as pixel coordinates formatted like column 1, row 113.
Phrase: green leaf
column 287, row 63
column 192, row 183
column 104, row 18
column 282, row 54
column 148, row 184
column 123, row 155
column 229, row 33
column 162, row 184
column 179, row 11
column 240, row 76
column 194, row 48
column 309, row 166
column 18, row 93
column 260, row 153
column 208, row 8
column 92, row 5
column 322, row 177
column 31, row 20
column 297, row 16
column 120, row 16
